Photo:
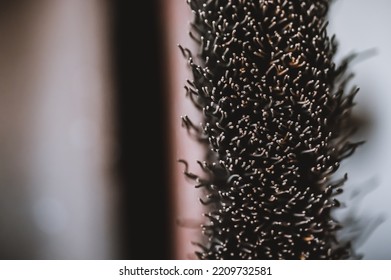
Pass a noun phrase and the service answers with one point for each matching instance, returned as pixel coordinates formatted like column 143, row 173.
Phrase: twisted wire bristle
column 276, row 124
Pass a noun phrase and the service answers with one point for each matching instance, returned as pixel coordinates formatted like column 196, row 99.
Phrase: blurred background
column 82, row 131
column 91, row 94
column 361, row 27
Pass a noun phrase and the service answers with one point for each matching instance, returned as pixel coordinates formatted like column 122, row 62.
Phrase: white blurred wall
column 361, row 26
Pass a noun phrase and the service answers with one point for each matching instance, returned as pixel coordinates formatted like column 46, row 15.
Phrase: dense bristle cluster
column 275, row 119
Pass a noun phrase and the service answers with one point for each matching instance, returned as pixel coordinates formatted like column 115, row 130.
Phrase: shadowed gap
column 141, row 130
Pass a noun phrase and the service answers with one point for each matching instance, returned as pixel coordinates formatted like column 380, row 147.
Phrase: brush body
column 276, row 120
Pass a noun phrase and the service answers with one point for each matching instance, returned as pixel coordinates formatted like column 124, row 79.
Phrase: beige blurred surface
column 187, row 211
column 55, row 146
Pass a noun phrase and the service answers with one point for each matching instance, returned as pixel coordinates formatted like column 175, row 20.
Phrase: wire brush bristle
column 276, row 120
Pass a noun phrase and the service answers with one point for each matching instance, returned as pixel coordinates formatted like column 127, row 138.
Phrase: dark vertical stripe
column 141, row 129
